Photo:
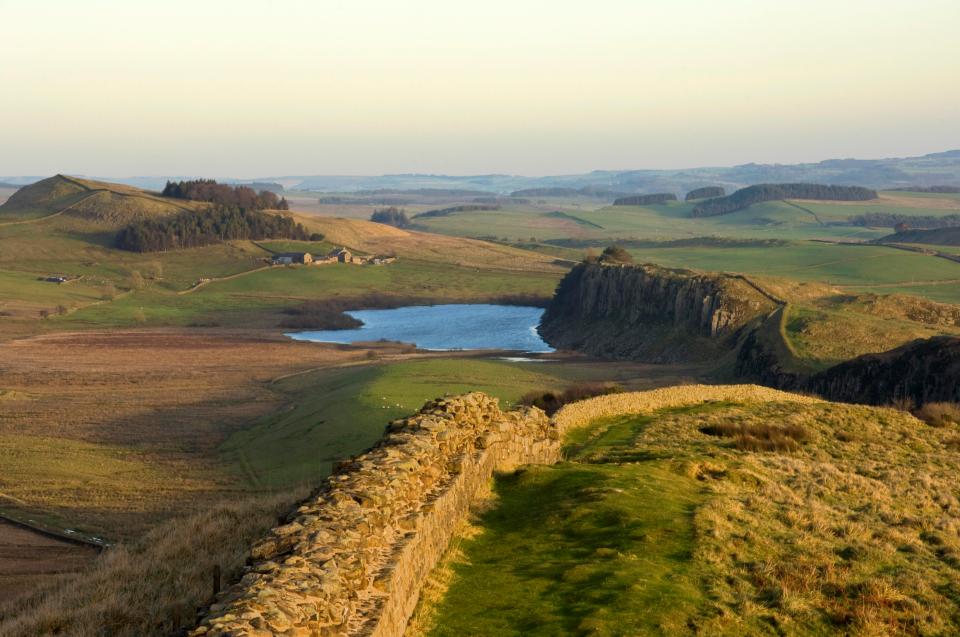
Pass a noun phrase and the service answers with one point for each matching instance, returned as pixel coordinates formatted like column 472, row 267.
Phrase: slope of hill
column 933, row 236
column 107, row 205
column 378, row 238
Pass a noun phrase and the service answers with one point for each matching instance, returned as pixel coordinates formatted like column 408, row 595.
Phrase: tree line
column 944, row 190
column 210, row 190
column 707, row 192
column 645, row 200
column 467, row 207
column 746, row 197
column 391, row 216
column 214, row 225
column 892, row 219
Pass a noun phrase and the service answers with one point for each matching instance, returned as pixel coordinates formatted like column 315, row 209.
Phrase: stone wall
column 352, row 558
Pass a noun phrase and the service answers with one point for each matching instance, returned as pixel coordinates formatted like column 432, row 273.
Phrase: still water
column 444, row 327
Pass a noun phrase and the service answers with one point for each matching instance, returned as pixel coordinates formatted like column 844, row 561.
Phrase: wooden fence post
column 216, row 579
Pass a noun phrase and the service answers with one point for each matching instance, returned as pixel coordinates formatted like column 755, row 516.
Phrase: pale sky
column 292, row 87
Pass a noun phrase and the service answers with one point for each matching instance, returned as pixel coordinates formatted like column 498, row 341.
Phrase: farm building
column 288, row 258
column 343, row 255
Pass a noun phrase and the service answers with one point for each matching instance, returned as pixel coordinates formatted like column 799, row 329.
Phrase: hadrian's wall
column 352, row 560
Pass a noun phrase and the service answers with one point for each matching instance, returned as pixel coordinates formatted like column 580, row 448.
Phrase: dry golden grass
column 375, row 238
column 940, row 414
column 853, row 528
column 153, row 586
column 816, row 518
column 585, row 412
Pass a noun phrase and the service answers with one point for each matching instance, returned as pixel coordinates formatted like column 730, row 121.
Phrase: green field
column 256, row 299
column 793, row 220
column 337, row 413
column 810, row 261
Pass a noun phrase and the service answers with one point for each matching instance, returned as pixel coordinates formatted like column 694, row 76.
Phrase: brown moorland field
column 112, row 431
column 28, row 558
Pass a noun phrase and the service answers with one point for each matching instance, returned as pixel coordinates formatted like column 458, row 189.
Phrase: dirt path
column 48, row 217
column 222, row 278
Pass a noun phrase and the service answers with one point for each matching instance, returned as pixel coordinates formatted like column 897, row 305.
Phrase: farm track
column 223, row 278
column 51, row 216
column 807, row 210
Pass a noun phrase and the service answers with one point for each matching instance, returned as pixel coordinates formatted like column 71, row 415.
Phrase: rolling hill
column 107, row 205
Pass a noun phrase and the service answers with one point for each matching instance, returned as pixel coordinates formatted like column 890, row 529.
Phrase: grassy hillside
column 110, row 205
column 336, row 413
column 934, row 237
column 792, row 219
column 722, row 519
column 66, row 227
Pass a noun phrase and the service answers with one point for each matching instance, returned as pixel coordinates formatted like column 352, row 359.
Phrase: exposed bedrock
column 649, row 313
column 920, row 372
column 655, row 314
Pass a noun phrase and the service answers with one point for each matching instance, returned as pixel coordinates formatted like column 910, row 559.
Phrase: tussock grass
column 760, row 436
column 940, row 414
column 153, row 586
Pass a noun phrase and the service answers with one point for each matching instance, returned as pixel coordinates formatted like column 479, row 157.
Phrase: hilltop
column 108, row 205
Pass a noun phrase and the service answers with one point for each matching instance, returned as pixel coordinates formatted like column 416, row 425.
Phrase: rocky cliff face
column 923, row 371
column 655, row 314
column 649, row 313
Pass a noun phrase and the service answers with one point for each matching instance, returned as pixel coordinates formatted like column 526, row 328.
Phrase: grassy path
column 599, row 545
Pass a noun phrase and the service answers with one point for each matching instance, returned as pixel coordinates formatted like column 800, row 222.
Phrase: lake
column 444, row 327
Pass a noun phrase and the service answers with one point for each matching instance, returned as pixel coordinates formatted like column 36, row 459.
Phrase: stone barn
column 289, row 258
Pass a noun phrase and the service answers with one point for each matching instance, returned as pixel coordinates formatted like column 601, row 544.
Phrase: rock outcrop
column 655, row 315
column 352, row 559
column 649, row 313
column 920, row 372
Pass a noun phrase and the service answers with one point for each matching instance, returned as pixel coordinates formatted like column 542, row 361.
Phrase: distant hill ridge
column 949, row 236
column 746, row 197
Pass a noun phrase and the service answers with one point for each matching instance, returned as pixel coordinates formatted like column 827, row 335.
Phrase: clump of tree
column 320, row 315
column 893, row 219
column 645, row 200
column 746, row 197
column 391, row 216
column 214, row 225
column 707, row 192
column 223, row 194
column 615, row 254
column 467, row 207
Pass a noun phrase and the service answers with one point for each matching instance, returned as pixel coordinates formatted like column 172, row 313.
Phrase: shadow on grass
column 576, row 549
